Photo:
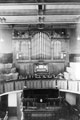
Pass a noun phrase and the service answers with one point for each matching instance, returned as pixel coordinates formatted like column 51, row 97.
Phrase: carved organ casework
column 21, row 45
column 40, row 45
column 36, row 51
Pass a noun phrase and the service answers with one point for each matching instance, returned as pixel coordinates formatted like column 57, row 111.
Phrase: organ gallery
column 40, row 59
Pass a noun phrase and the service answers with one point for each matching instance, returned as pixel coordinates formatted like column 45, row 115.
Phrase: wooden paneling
column 9, row 86
column 6, row 58
column 19, row 106
column 79, row 86
column 25, row 69
column 48, row 83
column 4, row 103
column 72, row 85
column 31, row 69
column 55, row 68
column 40, row 46
column 62, row 84
column 21, row 49
column 74, row 57
column 33, row 84
column 1, row 88
column 12, row 111
column 41, row 84
column 19, row 85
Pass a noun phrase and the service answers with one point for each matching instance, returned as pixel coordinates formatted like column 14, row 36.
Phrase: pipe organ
column 42, row 47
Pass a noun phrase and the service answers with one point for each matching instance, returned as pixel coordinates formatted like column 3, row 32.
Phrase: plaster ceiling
column 35, row 11
column 36, row 1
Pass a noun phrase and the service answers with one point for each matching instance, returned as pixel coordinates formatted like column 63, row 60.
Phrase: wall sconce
column 2, row 20
column 78, row 38
column 1, row 40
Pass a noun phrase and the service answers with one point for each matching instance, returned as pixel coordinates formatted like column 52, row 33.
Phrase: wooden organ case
column 46, row 47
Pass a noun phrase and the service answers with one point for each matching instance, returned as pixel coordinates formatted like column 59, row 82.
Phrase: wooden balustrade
column 33, row 84
column 1, row 88
column 13, row 85
column 8, row 86
column 48, row 84
column 69, row 85
column 62, row 84
column 19, row 85
column 73, row 86
column 79, row 86
column 65, row 85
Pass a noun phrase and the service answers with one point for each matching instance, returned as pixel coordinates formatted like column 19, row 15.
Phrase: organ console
column 41, row 103
column 45, row 104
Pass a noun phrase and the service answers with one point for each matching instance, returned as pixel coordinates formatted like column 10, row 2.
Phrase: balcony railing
column 69, row 86
column 63, row 85
column 13, row 85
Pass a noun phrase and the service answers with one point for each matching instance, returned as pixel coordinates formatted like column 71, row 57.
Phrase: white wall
column 12, row 100
column 70, row 98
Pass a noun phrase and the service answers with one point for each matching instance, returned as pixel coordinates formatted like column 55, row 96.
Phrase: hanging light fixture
column 78, row 38
column 1, row 40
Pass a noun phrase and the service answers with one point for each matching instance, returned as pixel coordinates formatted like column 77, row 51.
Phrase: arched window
column 41, row 46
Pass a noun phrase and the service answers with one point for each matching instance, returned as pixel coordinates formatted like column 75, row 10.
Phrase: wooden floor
column 15, row 118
